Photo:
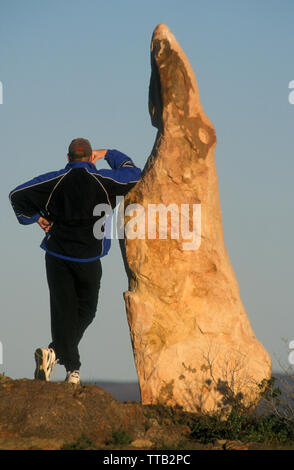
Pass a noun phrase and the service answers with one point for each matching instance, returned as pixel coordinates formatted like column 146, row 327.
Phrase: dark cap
column 79, row 148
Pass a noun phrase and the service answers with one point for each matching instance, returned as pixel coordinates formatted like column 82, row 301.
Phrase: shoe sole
column 39, row 371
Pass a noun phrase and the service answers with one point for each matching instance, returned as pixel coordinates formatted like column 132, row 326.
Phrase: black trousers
column 74, row 289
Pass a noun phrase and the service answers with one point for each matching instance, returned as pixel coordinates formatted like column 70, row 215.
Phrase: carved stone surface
column 192, row 340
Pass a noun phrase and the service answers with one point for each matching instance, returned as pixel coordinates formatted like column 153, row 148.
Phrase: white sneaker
column 73, row 377
column 45, row 361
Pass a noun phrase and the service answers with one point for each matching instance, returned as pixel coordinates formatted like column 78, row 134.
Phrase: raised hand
column 98, row 154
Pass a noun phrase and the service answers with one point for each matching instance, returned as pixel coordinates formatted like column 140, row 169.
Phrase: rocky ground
column 57, row 415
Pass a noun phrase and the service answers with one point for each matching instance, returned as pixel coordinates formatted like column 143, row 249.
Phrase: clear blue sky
column 74, row 68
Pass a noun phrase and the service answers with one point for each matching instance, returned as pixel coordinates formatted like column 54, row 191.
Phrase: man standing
column 62, row 203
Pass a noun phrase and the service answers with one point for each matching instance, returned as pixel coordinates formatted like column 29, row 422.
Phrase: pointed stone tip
column 162, row 31
column 160, row 28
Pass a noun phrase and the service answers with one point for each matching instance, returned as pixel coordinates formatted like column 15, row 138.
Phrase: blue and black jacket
column 67, row 198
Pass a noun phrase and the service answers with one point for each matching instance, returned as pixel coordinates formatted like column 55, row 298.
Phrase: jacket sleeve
column 122, row 176
column 29, row 199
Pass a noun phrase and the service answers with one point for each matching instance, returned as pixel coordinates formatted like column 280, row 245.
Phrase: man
column 62, row 203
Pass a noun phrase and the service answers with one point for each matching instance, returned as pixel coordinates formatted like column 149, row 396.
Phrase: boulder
column 192, row 340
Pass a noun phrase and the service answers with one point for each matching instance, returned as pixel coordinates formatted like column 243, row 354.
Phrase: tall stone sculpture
column 193, row 343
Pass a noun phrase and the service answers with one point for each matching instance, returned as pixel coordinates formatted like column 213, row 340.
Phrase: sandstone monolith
column 192, row 340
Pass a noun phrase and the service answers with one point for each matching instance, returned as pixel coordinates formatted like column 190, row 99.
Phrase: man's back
column 67, row 198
